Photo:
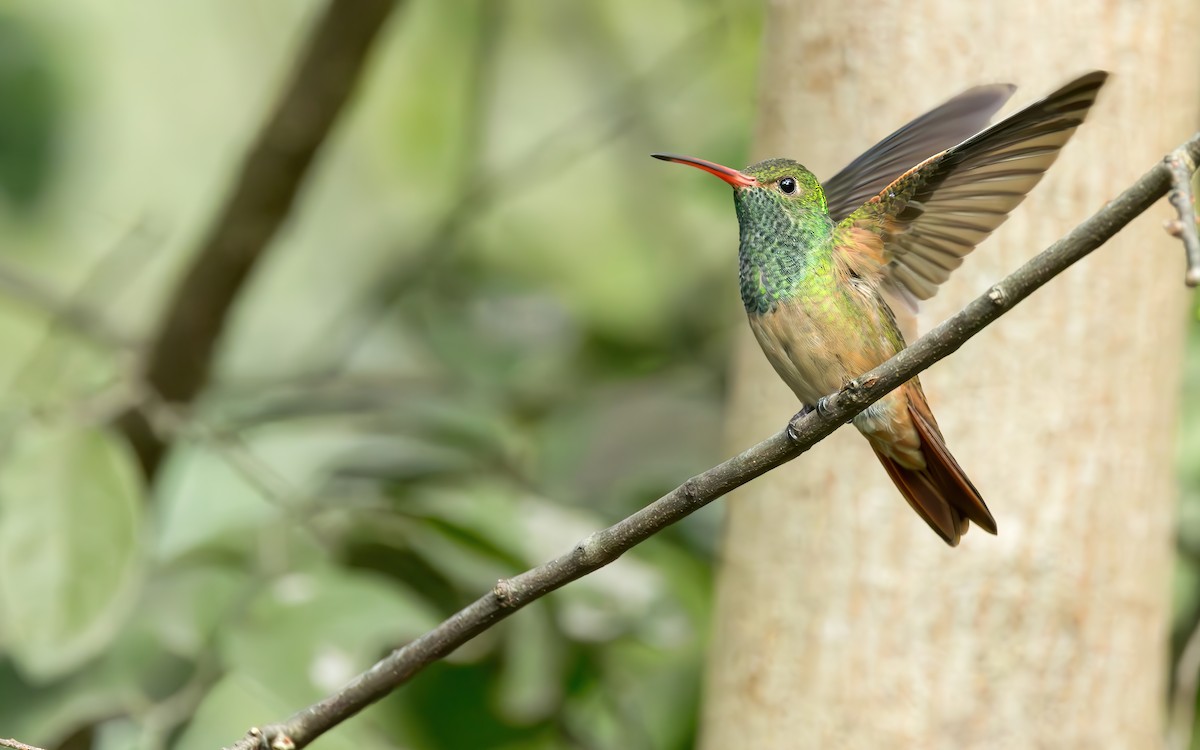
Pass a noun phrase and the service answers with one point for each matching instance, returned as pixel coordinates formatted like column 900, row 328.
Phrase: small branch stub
column 690, row 491
column 253, row 740
column 1181, row 167
column 283, row 742
column 587, row 551
column 866, row 381
column 503, row 592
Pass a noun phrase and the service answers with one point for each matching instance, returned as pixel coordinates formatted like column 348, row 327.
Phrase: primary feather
column 936, row 213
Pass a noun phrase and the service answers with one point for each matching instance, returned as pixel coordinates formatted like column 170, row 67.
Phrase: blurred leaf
column 239, row 702
column 558, row 360
column 595, row 449
column 467, row 531
column 309, row 633
column 30, row 113
column 182, row 607
column 46, row 714
column 232, row 706
column 118, row 734
column 480, row 514
column 429, row 122
column 461, row 424
column 450, row 707
column 70, row 544
column 529, row 687
column 655, row 691
column 215, row 493
column 204, row 502
column 135, row 670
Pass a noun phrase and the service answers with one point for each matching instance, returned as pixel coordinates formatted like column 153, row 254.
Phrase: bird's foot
column 791, row 427
column 822, row 408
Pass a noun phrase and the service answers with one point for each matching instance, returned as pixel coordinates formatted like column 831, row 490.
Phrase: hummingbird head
column 769, row 195
column 782, row 217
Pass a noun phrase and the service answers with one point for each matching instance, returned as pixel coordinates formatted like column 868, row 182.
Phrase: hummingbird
column 820, row 266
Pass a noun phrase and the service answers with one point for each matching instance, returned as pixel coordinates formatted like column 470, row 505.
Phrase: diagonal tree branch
column 180, row 358
column 605, row 546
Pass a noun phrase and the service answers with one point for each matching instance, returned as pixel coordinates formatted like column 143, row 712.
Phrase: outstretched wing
column 937, row 130
column 938, row 211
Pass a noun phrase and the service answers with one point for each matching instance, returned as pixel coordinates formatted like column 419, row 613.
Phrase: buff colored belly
column 812, row 348
column 816, row 353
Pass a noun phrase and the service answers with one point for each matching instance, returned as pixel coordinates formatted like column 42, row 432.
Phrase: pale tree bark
column 842, row 620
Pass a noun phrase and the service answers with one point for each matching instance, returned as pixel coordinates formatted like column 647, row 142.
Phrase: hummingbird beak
column 732, row 176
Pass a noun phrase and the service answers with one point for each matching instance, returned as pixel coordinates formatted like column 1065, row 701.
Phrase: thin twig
column 349, row 396
column 170, row 423
column 173, row 425
column 1182, row 166
column 180, row 358
column 605, row 546
column 17, row 745
column 20, row 286
column 110, row 273
column 160, row 718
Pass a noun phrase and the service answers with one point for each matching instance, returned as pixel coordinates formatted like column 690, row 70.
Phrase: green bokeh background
column 491, row 326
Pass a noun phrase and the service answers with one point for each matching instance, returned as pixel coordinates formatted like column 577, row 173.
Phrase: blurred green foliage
column 32, row 93
column 479, row 339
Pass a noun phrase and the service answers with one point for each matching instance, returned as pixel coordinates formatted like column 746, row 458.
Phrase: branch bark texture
column 181, row 356
column 605, row 546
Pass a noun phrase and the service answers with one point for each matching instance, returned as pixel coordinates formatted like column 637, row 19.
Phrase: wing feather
column 938, row 129
column 939, row 211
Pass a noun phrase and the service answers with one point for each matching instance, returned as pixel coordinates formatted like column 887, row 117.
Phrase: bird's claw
column 822, row 408
column 791, row 427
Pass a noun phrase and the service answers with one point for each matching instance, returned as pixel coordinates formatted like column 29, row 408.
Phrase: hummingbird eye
column 787, row 185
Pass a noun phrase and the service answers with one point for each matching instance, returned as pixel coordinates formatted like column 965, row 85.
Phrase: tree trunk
column 843, row 621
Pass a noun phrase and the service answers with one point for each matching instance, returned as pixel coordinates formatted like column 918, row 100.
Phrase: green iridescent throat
column 785, row 247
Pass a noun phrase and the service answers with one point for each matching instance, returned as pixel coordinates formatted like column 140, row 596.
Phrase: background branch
column 17, row 284
column 17, row 745
column 180, row 358
column 605, row 546
column 1182, row 165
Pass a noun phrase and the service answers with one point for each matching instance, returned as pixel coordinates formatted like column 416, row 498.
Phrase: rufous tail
column 940, row 493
